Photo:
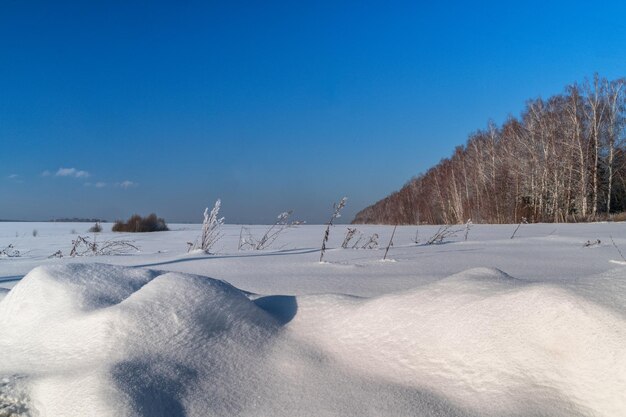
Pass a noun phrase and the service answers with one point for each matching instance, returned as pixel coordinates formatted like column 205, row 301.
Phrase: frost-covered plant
column 371, row 243
column 444, row 232
column 271, row 234
column 336, row 214
column 10, row 252
column 352, row 233
column 357, row 242
column 57, row 254
column 211, row 226
column 349, row 235
column 84, row 246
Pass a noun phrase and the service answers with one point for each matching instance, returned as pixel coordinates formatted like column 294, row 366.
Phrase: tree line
column 562, row 160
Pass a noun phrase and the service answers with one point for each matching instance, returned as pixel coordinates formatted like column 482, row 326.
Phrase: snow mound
column 487, row 341
column 112, row 341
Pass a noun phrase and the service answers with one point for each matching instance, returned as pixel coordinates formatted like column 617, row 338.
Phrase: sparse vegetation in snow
column 211, row 229
column 248, row 241
column 442, row 234
column 84, row 246
column 9, row 251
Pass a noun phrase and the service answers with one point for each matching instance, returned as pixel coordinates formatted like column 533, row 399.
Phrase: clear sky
column 110, row 108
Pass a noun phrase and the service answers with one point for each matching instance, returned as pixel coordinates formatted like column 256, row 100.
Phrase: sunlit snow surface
column 493, row 326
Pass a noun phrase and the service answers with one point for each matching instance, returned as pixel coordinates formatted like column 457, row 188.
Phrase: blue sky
column 111, row 108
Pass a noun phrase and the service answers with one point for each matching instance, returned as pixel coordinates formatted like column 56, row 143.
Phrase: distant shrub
column 138, row 224
column 35, row 232
column 619, row 217
column 96, row 228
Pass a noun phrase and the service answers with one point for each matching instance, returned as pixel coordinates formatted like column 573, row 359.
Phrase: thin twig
column 518, row 226
column 618, row 250
column 337, row 208
column 390, row 242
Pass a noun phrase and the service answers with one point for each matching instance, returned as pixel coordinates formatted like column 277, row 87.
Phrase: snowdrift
column 102, row 340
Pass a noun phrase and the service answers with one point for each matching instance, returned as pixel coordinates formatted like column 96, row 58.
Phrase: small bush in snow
column 35, row 232
column 138, row 224
column 96, row 228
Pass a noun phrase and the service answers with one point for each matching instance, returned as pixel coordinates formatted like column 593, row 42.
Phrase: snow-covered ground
column 493, row 326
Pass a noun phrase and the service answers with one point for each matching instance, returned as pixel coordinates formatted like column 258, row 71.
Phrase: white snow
column 491, row 326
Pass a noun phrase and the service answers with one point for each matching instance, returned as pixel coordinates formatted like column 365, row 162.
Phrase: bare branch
column 390, row 244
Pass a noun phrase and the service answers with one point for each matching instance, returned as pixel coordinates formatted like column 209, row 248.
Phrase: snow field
column 423, row 335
